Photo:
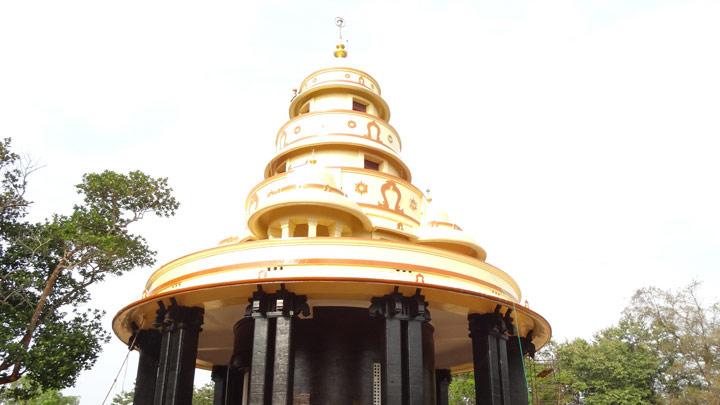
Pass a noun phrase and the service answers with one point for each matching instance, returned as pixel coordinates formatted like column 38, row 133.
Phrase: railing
column 389, row 201
column 355, row 127
column 342, row 76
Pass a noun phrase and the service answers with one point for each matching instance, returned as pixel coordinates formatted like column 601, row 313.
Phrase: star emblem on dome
column 361, row 188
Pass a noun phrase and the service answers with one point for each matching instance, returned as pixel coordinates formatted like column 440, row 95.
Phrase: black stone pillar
column 235, row 386
column 228, row 385
column 240, row 361
column 442, row 384
column 489, row 345
column 272, row 355
column 219, row 377
column 285, row 306
column 147, row 341
column 393, row 373
column 517, row 348
column 260, row 364
column 417, row 316
column 180, row 328
column 403, row 367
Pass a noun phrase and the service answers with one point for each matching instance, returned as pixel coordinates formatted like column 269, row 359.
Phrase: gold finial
column 340, row 51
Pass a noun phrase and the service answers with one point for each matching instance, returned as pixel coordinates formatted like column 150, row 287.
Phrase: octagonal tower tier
column 337, row 220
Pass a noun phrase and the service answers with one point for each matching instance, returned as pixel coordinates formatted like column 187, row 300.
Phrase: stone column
column 403, row 367
column 517, row 348
column 228, row 385
column 285, row 306
column 147, row 341
column 417, row 316
column 240, row 361
column 260, row 363
column 180, row 327
column 272, row 357
column 489, row 345
column 219, row 377
column 442, row 384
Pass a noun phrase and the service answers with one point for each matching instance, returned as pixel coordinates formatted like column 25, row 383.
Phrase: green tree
column 46, row 268
column 614, row 368
column 124, row 398
column 39, row 397
column 462, row 389
column 686, row 336
column 542, row 378
column 202, row 395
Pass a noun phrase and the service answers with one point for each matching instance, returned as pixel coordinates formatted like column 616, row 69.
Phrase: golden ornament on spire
column 340, row 51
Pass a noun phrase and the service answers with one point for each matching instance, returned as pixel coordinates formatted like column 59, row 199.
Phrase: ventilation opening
column 322, row 230
column 377, row 383
column 372, row 165
column 301, row 230
column 359, row 106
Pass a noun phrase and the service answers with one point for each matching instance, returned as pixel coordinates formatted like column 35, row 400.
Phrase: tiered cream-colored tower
column 336, row 223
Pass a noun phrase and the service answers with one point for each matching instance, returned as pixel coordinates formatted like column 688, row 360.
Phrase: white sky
column 576, row 140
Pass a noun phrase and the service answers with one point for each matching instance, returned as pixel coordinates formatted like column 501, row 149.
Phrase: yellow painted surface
column 338, row 219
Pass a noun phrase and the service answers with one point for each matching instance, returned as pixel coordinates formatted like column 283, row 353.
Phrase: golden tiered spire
column 340, row 51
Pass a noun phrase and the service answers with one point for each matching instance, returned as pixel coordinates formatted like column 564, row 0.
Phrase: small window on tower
column 359, row 106
column 372, row 165
column 301, row 231
column 322, row 230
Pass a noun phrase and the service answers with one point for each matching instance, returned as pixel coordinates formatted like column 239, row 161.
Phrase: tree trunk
column 32, row 326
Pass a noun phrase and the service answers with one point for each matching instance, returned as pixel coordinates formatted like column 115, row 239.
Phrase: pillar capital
column 395, row 305
column 525, row 344
column 146, row 340
column 491, row 323
column 273, row 305
column 178, row 317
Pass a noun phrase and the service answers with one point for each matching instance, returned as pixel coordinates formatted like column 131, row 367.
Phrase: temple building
column 348, row 286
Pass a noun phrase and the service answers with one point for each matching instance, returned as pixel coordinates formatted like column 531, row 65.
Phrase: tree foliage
column 47, row 267
column 665, row 349
column 611, row 369
column 36, row 396
column 462, row 390
column 686, row 336
column 203, row 395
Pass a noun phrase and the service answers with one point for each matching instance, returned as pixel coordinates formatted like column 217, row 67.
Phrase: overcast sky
column 575, row 140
